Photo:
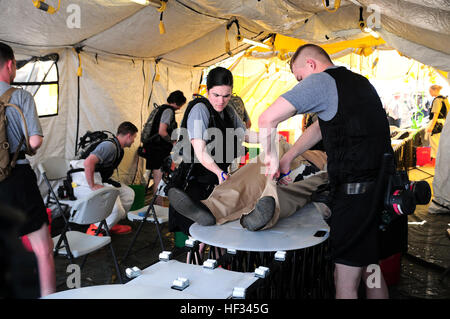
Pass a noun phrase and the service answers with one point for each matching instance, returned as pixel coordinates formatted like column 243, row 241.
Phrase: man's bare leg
column 347, row 279
column 42, row 245
column 157, row 176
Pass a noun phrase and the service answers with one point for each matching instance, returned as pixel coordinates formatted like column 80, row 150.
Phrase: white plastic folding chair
column 55, row 169
column 153, row 214
column 94, row 208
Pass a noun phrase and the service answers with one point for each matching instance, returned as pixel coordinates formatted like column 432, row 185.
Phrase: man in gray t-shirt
column 159, row 149
column 106, row 153
column 15, row 129
column 20, row 190
column 98, row 168
column 317, row 92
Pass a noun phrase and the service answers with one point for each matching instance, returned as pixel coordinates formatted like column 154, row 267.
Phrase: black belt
column 19, row 157
column 355, row 188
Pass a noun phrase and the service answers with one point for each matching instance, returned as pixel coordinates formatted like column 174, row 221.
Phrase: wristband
column 284, row 175
column 223, row 178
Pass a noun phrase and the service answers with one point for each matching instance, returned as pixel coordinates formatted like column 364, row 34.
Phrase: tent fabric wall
column 435, row 58
column 112, row 90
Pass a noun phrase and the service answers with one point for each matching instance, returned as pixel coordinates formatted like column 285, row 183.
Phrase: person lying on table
column 257, row 200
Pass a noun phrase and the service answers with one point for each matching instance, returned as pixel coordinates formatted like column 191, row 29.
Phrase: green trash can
column 180, row 239
column 139, row 196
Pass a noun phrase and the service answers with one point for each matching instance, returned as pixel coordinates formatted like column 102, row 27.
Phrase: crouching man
column 99, row 166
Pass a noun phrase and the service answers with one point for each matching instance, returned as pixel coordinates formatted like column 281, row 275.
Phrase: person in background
column 438, row 114
column 239, row 106
column 20, row 190
column 157, row 131
column 99, row 166
column 440, row 203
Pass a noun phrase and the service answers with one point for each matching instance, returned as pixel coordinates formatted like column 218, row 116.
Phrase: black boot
column 261, row 215
column 184, row 205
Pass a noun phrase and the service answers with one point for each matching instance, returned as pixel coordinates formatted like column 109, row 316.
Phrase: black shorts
column 157, row 152
column 20, row 191
column 350, row 213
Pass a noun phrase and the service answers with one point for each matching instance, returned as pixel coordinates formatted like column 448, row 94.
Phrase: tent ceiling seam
column 212, row 16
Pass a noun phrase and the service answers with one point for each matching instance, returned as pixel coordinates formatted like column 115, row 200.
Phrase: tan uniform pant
column 238, row 195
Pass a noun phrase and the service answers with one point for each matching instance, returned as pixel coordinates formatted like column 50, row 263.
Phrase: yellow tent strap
column 40, row 4
column 337, row 4
column 238, row 36
column 227, row 43
column 161, row 9
column 79, row 70
column 156, row 76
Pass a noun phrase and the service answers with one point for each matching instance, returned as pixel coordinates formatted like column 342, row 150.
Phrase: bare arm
column 199, row 146
column 89, row 169
column 35, row 142
column 279, row 111
column 163, row 131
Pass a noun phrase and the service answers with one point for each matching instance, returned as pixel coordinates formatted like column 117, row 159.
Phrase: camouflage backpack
column 238, row 105
column 6, row 162
column 149, row 130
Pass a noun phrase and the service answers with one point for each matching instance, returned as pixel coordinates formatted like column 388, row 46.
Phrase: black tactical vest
column 215, row 121
column 443, row 111
column 356, row 138
column 157, row 120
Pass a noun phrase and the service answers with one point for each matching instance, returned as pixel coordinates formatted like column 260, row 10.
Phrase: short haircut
column 314, row 50
column 176, row 97
column 6, row 54
column 219, row 76
column 126, row 127
column 436, row 87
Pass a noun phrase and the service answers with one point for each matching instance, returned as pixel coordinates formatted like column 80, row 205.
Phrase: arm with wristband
column 206, row 160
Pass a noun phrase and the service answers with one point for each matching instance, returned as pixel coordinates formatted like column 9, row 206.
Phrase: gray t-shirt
column 167, row 116
column 315, row 94
column 106, row 152
column 14, row 130
column 198, row 121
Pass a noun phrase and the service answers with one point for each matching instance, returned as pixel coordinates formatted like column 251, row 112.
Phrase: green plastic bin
column 139, row 196
column 180, row 239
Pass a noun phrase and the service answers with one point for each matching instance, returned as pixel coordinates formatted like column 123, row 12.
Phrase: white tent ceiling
column 195, row 30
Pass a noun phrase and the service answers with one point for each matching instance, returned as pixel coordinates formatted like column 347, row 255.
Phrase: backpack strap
column 7, row 95
column 5, row 98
